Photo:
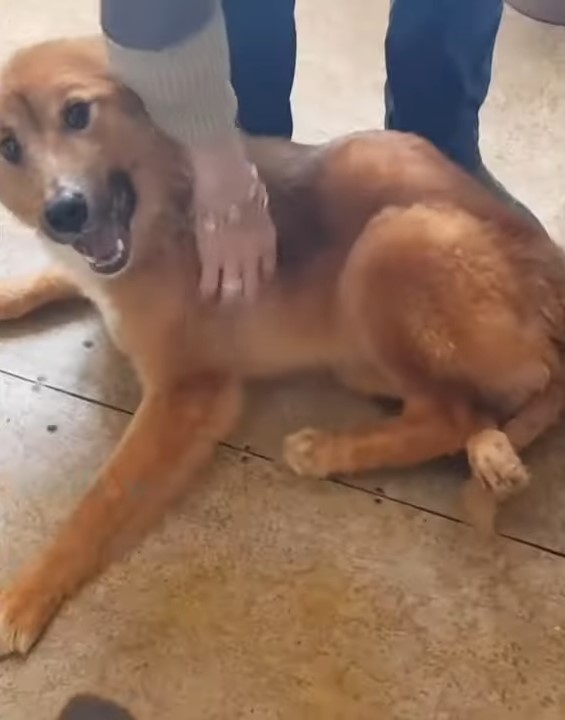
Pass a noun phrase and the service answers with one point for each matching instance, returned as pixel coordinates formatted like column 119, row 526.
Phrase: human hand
column 235, row 237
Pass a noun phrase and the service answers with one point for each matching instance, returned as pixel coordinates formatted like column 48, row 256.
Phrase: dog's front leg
column 172, row 436
column 21, row 296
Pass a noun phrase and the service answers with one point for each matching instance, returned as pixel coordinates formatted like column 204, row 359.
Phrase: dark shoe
column 488, row 181
column 91, row 707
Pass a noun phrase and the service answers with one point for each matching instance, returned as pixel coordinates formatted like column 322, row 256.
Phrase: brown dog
column 396, row 270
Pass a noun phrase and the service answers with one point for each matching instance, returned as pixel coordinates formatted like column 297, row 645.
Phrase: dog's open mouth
column 107, row 247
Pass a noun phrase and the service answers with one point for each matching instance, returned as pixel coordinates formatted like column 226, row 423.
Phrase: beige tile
column 522, row 131
column 56, row 354
column 341, row 70
column 276, row 409
column 341, row 76
column 51, row 445
column 536, row 516
column 68, row 348
column 332, row 97
column 35, row 20
column 269, row 597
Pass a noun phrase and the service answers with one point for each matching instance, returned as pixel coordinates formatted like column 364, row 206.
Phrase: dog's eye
column 76, row 116
column 11, row 150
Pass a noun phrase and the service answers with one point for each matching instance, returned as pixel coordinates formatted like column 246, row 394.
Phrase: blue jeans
column 438, row 59
column 262, row 40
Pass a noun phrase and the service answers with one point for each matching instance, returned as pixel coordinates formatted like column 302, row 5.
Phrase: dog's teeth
column 119, row 251
column 116, row 255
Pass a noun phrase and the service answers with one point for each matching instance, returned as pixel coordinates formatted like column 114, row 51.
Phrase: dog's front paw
column 24, row 615
column 495, row 463
column 305, row 452
column 11, row 302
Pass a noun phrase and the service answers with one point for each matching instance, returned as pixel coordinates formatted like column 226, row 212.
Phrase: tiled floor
column 264, row 596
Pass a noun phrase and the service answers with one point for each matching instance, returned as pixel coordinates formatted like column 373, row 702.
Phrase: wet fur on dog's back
column 395, row 270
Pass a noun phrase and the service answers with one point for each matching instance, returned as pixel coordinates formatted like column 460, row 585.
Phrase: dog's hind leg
column 22, row 296
column 172, row 436
column 497, row 471
column 425, row 430
column 539, row 414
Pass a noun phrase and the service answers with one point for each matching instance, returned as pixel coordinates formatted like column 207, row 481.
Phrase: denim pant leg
column 439, row 59
column 262, row 39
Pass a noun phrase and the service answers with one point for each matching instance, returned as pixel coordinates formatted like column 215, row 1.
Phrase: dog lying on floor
column 395, row 270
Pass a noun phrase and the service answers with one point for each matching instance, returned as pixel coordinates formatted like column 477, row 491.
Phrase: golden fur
column 396, row 271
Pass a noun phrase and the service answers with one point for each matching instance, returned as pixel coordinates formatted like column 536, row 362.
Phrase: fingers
column 269, row 255
column 235, row 235
column 236, row 259
column 259, row 256
column 232, row 282
column 240, row 270
column 250, row 279
column 209, row 251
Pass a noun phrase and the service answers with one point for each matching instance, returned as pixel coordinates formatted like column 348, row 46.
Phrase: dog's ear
column 90, row 55
column 92, row 707
column 128, row 101
column 126, row 98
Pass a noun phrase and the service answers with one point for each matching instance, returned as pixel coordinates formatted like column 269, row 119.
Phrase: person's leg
column 439, row 58
column 262, row 40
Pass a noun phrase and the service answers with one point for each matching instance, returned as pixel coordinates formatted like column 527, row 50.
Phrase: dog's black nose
column 66, row 213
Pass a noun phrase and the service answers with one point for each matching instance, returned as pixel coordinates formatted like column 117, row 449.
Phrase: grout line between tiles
column 249, row 451
column 109, row 406
column 436, row 513
column 63, row 391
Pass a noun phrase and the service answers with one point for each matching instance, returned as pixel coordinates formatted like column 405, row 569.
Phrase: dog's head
column 79, row 158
